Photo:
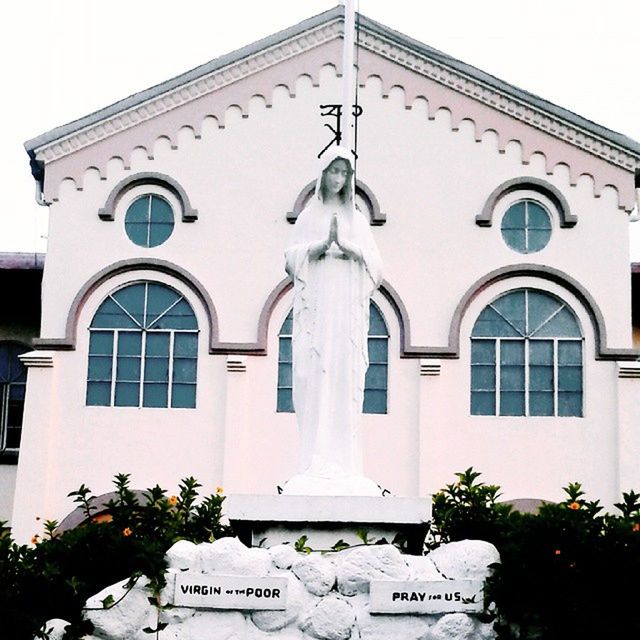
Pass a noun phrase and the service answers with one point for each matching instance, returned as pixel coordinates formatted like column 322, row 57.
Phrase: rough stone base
column 328, row 595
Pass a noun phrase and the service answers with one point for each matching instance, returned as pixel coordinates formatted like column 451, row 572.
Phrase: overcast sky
column 63, row 59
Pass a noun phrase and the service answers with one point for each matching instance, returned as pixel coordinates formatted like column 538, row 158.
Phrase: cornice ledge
column 492, row 97
column 190, row 91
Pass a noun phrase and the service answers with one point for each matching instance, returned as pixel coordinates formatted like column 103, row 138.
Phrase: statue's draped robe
column 330, row 327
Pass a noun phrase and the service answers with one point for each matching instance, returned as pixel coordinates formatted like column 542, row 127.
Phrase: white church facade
column 500, row 338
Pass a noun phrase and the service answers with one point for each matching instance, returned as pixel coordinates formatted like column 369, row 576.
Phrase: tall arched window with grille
column 376, row 379
column 526, row 357
column 143, row 349
column 13, row 381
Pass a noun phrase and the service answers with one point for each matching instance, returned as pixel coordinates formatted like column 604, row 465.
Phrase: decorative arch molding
column 376, row 216
column 567, row 219
column 68, row 343
column 541, row 272
column 189, row 214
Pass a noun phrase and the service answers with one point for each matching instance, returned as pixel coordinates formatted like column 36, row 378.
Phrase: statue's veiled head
column 336, row 176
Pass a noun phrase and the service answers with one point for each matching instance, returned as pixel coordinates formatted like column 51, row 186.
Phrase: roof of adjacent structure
column 372, row 26
column 14, row 261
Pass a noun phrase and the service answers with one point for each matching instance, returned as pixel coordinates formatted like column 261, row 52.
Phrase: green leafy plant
column 300, row 545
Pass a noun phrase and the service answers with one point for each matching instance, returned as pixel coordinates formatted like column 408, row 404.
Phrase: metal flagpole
column 348, row 84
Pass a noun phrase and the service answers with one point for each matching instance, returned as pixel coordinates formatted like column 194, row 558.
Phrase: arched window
column 526, row 357
column 13, row 381
column 143, row 349
column 375, row 391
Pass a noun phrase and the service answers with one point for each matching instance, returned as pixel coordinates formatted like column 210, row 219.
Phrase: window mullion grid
column 555, row 356
column 526, row 226
column 526, row 348
column 149, row 223
column 114, row 366
column 498, row 376
column 171, row 356
column 143, row 361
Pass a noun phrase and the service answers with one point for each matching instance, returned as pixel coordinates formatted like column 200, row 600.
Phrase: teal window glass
column 376, row 378
column 149, row 221
column 526, row 357
column 526, row 226
column 143, row 349
column 13, row 382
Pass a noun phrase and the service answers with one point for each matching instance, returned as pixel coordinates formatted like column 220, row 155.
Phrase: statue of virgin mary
column 335, row 266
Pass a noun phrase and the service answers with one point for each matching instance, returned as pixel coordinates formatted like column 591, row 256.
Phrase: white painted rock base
column 327, row 595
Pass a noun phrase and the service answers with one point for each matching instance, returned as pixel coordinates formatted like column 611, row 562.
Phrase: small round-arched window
column 526, row 226
column 149, row 220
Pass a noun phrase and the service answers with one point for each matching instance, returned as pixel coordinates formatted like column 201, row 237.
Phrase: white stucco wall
column 243, row 179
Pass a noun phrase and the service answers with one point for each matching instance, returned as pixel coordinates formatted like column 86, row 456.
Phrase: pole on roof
column 348, row 76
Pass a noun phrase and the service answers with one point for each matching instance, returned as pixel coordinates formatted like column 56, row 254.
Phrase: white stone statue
column 335, row 266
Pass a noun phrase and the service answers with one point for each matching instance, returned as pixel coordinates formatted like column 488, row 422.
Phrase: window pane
column 284, row 375
column 100, row 368
column 161, row 211
column 16, row 392
column 127, row 369
column 515, row 217
column 490, row 323
column 540, row 378
column 511, row 403
column 110, row 316
column 129, row 343
column 99, row 394
column 287, row 325
column 286, row 354
column 483, row 377
column 512, row 352
column 131, row 298
column 138, row 211
column 184, row 370
column 156, row 370
column 515, row 239
column 483, row 352
column 540, row 404
column 569, row 352
column 512, row 307
column 155, row 395
column 13, row 436
column 377, row 327
column 570, row 378
column 378, row 350
column 541, row 352
column 512, row 378
column 376, row 377
column 185, row 344
column 180, row 316
column 157, row 344
column 5, row 360
column 285, row 400
column 569, row 404
column 563, row 323
column 483, row 403
column 538, row 218
column 159, row 299
column 101, row 343
column 375, row 401
column 537, row 239
column 183, row 396
column 127, row 394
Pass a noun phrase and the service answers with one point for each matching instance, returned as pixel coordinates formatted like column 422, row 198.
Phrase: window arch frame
column 172, row 355
column 527, row 364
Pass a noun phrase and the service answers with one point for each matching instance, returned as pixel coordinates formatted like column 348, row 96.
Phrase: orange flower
column 219, row 490
column 126, row 532
column 557, row 552
column 173, row 500
column 574, row 506
column 35, row 539
column 636, row 527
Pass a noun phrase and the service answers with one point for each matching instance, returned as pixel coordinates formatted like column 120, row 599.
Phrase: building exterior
column 501, row 337
column 20, row 279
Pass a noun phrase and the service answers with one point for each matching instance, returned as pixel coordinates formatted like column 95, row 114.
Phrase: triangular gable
column 445, row 83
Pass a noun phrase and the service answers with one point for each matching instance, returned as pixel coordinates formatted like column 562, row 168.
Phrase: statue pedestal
column 271, row 520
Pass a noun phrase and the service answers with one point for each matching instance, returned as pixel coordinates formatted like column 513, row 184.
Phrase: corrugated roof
column 326, row 17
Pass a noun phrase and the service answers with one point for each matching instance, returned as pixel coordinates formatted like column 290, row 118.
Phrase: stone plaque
column 433, row 596
column 229, row 592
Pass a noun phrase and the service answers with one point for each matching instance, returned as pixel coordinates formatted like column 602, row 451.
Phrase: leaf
column 341, row 545
column 108, row 602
